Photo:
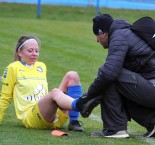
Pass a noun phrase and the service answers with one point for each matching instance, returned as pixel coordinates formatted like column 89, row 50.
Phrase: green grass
column 67, row 43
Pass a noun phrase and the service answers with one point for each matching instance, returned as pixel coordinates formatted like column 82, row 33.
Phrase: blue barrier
column 120, row 4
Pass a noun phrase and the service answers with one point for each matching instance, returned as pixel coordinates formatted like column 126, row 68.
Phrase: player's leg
column 49, row 104
column 72, row 87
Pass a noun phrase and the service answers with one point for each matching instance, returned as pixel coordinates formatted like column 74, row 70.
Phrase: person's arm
column 8, row 82
column 109, row 72
column 5, row 100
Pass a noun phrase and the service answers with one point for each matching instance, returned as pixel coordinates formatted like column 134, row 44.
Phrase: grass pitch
column 67, row 43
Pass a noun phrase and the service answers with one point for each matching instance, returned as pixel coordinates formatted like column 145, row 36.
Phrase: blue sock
column 74, row 92
column 74, row 105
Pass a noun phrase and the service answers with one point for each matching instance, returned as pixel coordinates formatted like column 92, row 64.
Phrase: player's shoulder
column 12, row 67
column 14, row 64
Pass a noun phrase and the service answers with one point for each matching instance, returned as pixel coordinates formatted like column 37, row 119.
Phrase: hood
column 119, row 24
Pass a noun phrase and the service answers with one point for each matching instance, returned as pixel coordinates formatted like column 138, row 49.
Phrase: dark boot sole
column 89, row 106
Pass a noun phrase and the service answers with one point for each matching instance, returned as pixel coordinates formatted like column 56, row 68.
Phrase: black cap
column 102, row 23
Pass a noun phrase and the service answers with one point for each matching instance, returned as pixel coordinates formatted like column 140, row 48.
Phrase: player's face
column 30, row 52
column 103, row 39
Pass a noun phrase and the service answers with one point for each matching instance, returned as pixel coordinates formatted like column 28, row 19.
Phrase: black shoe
column 150, row 133
column 75, row 126
column 86, row 106
column 110, row 134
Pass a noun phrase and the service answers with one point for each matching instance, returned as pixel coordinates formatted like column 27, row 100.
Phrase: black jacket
column 126, row 50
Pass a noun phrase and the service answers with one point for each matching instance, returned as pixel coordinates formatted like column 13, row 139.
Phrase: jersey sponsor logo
column 40, row 69
column 33, row 98
column 39, row 92
column 5, row 73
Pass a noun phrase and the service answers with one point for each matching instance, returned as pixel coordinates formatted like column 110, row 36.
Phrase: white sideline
column 95, row 117
column 151, row 141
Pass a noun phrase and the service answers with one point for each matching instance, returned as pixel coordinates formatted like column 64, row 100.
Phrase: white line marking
column 95, row 117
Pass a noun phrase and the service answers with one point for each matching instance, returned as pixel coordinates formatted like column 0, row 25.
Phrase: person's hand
column 86, row 105
column 84, row 95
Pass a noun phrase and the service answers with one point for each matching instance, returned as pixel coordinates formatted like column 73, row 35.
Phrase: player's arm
column 5, row 100
column 8, row 82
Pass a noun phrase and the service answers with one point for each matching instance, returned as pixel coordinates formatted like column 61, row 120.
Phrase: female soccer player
column 24, row 81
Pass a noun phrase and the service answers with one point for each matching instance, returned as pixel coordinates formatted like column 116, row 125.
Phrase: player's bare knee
column 55, row 93
column 73, row 75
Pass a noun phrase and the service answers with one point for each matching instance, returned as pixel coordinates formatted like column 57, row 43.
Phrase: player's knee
column 55, row 93
column 73, row 75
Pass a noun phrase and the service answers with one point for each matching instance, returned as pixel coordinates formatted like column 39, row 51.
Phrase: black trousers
column 131, row 96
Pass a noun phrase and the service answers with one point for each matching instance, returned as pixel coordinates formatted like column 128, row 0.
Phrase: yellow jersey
column 25, row 86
